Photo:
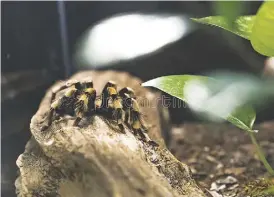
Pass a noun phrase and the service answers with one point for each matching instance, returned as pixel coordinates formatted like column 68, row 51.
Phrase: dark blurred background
column 38, row 46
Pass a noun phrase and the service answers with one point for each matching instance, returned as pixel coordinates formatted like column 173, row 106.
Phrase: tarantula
column 80, row 101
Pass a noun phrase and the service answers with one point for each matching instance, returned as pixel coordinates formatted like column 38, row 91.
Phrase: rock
column 96, row 159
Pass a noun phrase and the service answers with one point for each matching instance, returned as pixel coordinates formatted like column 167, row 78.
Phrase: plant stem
column 261, row 154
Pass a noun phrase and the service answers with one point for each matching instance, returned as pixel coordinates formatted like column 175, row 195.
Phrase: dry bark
column 97, row 159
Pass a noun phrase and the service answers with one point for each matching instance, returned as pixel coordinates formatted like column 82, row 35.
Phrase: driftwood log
column 96, row 159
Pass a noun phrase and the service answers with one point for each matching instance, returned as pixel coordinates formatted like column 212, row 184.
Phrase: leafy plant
column 242, row 25
column 198, row 92
column 259, row 29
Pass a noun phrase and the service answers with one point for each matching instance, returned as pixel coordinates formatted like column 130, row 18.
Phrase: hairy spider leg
column 109, row 89
column 126, row 94
column 66, row 100
column 136, row 115
column 85, row 105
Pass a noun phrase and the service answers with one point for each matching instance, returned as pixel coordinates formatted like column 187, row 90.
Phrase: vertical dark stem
column 64, row 37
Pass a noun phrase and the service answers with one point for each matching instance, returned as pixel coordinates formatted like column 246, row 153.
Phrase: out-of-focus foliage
column 211, row 97
column 258, row 29
column 229, row 9
column 262, row 37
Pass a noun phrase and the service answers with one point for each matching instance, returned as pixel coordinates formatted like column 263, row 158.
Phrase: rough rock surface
column 97, row 159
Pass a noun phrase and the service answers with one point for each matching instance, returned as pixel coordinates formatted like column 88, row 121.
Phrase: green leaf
column 242, row 26
column 262, row 37
column 175, row 85
column 243, row 118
